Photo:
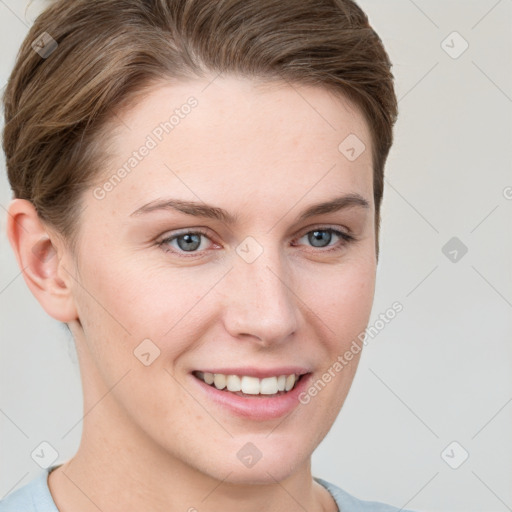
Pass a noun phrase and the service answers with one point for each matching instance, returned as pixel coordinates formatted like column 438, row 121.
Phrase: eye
column 186, row 242
column 191, row 241
column 322, row 236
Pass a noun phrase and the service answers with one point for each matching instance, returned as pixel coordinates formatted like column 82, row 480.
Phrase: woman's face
column 261, row 291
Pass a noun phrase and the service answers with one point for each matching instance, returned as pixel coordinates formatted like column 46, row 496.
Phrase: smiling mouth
column 248, row 386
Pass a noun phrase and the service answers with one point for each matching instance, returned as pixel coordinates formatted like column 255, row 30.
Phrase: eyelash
column 345, row 240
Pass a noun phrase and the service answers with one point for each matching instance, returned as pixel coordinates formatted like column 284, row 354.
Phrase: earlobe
column 41, row 256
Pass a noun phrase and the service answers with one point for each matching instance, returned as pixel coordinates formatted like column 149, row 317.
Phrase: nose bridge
column 261, row 303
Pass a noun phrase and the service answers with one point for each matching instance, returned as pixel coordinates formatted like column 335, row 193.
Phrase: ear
column 43, row 260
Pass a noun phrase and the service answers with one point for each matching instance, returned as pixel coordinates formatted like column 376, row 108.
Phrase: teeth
column 219, row 380
column 268, row 385
column 250, row 385
column 233, row 383
column 290, row 381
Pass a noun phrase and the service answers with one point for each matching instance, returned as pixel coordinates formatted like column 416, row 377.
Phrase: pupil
column 190, row 239
column 317, row 236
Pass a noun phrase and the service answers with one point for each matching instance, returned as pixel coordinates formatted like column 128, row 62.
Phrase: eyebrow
column 205, row 210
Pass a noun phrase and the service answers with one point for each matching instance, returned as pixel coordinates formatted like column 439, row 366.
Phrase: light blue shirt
column 35, row 497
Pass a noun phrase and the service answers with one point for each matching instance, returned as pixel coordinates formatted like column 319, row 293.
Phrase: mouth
column 248, row 386
column 263, row 395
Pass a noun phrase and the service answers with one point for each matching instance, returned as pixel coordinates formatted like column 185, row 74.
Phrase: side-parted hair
column 107, row 53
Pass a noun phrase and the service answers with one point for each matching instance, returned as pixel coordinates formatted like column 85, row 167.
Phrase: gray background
column 441, row 370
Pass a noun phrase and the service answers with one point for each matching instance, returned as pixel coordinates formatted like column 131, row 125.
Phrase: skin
column 264, row 152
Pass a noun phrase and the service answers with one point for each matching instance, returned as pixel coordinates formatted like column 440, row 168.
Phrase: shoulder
column 35, row 497
column 348, row 503
column 32, row 497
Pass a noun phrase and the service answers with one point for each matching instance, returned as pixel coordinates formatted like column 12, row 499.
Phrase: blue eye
column 318, row 236
column 190, row 241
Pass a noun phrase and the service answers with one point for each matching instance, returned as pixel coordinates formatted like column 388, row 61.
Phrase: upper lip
column 260, row 373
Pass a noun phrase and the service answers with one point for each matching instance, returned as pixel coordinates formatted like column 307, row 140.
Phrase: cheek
column 125, row 300
column 342, row 297
column 111, row 301
column 341, row 309
column 122, row 304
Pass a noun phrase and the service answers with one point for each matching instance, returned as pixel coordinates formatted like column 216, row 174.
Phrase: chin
column 268, row 473
column 252, row 466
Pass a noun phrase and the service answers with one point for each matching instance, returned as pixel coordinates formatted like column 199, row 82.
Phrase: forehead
column 224, row 138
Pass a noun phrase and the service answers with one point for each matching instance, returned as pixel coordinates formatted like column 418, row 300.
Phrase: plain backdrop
column 427, row 423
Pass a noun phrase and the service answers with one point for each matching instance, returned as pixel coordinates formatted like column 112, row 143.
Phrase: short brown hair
column 58, row 106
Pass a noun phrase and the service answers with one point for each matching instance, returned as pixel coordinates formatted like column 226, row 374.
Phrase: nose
column 260, row 302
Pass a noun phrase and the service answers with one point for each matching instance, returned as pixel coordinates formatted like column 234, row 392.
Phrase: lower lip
column 256, row 408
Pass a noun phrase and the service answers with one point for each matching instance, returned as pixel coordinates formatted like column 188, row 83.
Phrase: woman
column 197, row 193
